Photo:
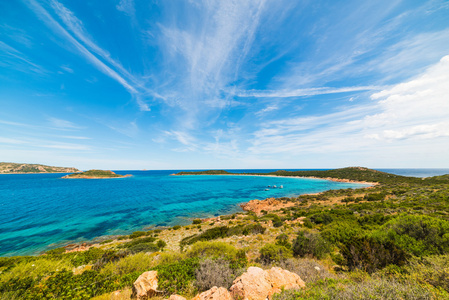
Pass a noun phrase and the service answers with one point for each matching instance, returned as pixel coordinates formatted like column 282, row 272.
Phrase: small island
column 95, row 174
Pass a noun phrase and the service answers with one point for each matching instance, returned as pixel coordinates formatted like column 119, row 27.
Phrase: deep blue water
column 42, row 211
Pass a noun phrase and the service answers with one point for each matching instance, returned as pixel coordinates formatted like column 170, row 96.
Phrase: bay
column 39, row 212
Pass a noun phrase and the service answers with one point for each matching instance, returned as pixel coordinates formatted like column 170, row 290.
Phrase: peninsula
column 19, row 168
column 95, row 174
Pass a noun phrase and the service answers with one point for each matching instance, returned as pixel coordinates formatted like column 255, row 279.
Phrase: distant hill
column 349, row 173
column 95, row 174
column 13, row 168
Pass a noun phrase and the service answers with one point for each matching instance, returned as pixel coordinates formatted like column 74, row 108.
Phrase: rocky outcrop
column 254, row 284
column 145, row 286
column 269, row 204
column 258, row 284
column 176, row 297
column 214, row 293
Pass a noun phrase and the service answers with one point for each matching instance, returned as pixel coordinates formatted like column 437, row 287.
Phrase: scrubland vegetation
column 390, row 241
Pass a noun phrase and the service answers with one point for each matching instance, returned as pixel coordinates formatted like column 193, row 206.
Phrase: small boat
column 267, row 189
column 281, row 187
column 274, row 186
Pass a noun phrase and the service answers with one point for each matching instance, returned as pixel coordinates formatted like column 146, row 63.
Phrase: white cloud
column 406, row 117
column 4, row 140
column 127, row 6
column 304, row 92
column 62, row 124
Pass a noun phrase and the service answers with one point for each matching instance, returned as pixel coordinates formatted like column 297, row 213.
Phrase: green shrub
column 56, row 251
column 341, row 232
column 176, row 227
column 108, row 257
column 138, row 241
column 161, row 244
column 143, row 247
column 322, row 218
column 307, row 223
column 433, row 270
column 310, row 244
column 419, row 235
column 212, row 249
column 271, row 253
column 137, row 234
column 282, row 240
column 375, row 196
column 176, row 278
column 86, row 257
column 196, row 221
column 370, row 255
column 139, row 263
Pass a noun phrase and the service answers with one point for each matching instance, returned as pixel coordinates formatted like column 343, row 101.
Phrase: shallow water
column 43, row 211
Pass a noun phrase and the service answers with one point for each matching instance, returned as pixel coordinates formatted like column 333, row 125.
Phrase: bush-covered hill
column 6, row 167
column 95, row 174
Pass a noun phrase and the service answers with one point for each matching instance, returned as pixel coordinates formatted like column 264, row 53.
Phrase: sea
column 39, row 212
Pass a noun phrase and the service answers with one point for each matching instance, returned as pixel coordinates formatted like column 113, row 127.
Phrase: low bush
column 177, row 277
column 419, row 235
column 217, row 272
column 196, row 221
column 283, row 240
column 135, row 242
column 310, row 244
column 374, row 196
column 341, row 232
column 373, row 288
column 212, row 250
column 139, row 262
column 322, row 218
column 271, row 253
column 370, row 255
column 143, row 247
column 161, row 244
column 223, row 231
column 137, row 234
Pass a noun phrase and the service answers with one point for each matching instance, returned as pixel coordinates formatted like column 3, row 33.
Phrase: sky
column 279, row 84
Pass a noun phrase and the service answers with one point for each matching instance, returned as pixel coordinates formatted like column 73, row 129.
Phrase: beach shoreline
column 280, row 176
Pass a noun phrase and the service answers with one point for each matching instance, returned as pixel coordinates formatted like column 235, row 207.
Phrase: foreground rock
column 269, row 204
column 176, row 297
column 145, row 286
column 214, row 293
column 258, row 284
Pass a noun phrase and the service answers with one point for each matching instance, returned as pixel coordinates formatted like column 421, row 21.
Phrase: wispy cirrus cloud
column 62, row 124
column 83, row 43
column 12, row 57
column 304, row 92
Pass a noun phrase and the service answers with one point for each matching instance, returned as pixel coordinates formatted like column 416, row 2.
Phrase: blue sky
column 128, row 84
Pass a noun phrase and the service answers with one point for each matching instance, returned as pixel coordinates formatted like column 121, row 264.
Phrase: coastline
column 272, row 206
column 304, row 177
column 96, row 239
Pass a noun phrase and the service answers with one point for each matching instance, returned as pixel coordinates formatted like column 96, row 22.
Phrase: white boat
column 281, row 187
column 274, row 186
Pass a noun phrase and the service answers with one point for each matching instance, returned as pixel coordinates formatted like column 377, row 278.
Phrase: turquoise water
column 42, row 211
